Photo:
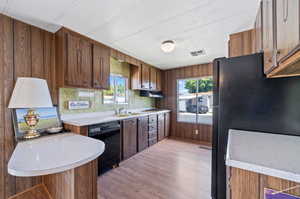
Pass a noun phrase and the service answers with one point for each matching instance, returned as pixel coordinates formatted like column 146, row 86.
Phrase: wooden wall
column 25, row 51
column 181, row 129
column 242, row 43
column 249, row 185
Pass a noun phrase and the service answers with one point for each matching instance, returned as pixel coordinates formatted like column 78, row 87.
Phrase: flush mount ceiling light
column 167, row 46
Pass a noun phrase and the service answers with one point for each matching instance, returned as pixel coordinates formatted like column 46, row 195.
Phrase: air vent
column 198, row 53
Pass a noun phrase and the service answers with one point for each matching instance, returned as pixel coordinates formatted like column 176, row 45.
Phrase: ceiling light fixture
column 167, row 46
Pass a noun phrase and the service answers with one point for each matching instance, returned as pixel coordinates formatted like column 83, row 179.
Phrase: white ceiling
column 137, row 27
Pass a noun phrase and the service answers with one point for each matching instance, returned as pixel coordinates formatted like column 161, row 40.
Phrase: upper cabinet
column 280, row 37
column 287, row 21
column 81, row 62
column 101, row 66
column 268, row 34
column 158, row 80
column 258, row 30
column 145, row 76
column 153, row 78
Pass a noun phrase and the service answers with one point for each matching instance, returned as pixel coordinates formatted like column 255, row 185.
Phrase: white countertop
column 269, row 154
column 53, row 154
column 86, row 119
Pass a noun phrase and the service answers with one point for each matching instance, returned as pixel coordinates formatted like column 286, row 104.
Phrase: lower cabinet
column 143, row 126
column 129, row 138
column 161, row 126
column 167, row 124
column 152, row 129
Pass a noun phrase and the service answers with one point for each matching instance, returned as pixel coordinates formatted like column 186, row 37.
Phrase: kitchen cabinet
column 101, row 66
column 129, row 135
column 287, row 21
column 79, row 62
column 241, row 43
column 258, row 30
column 152, row 129
column 268, row 34
column 143, row 125
column 167, row 124
column 158, row 80
column 136, row 77
column 161, row 126
column 153, row 78
column 145, row 76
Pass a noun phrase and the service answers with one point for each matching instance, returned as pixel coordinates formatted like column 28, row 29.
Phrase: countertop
column 269, row 154
column 53, row 154
column 86, row 119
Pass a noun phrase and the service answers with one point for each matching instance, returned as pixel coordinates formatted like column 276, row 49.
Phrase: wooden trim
column 36, row 192
column 285, row 68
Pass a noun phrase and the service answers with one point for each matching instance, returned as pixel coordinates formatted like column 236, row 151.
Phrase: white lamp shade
column 30, row 93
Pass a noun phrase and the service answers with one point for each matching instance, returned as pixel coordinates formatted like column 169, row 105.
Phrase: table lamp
column 31, row 93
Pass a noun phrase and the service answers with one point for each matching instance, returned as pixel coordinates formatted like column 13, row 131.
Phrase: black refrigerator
column 245, row 99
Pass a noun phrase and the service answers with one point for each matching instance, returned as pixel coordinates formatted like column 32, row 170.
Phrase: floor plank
column 170, row 169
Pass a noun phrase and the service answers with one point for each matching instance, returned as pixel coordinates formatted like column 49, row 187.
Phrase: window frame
column 197, row 95
column 115, row 90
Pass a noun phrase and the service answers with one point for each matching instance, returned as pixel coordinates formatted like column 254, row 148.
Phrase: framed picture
column 272, row 194
column 48, row 117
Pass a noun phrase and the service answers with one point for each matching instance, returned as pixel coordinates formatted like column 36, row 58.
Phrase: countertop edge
column 69, row 122
column 264, row 170
column 33, row 173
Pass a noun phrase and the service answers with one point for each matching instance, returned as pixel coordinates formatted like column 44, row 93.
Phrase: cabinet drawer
column 152, row 141
column 152, row 127
column 152, row 119
column 152, row 135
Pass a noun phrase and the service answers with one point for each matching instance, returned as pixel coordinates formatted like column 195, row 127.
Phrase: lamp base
column 31, row 134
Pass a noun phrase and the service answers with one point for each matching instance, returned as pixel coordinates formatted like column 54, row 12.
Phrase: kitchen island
column 66, row 163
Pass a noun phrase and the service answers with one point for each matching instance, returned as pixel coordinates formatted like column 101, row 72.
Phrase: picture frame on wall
column 48, row 118
column 272, row 194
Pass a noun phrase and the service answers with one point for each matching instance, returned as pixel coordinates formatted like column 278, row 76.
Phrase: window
column 118, row 92
column 195, row 100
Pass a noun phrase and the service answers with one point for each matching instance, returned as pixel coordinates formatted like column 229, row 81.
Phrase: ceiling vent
column 197, row 53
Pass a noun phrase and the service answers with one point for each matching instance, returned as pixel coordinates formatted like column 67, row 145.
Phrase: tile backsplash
column 95, row 97
column 96, row 100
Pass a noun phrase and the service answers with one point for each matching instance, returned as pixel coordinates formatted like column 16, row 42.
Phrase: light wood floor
column 171, row 169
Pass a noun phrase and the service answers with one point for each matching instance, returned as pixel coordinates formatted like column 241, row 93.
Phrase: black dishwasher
column 109, row 133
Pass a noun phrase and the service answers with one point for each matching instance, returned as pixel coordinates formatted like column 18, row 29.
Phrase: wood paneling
column 248, row 185
column 24, row 52
column 36, row 192
column 161, row 126
column 129, row 134
column 81, row 130
column 143, row 123
column 242, row 43
column 168, row 170
column 77, row 183
column 180, row 129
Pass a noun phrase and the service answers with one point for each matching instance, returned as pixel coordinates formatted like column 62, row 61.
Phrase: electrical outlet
column 196, row 132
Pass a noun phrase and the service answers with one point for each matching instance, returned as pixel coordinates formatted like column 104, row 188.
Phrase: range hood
column 154, row 94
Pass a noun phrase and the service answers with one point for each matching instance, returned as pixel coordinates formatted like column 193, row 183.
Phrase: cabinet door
column 287, row 12
column 167, row 124
column 86, row 60
column 268, row 35
column 258, row 30
column 129, row 138
column 161, row 126
column 73, row 58
column 158, row 80
column 143, row 123
column 101, row 67
column 145, row 76
column 152, row 78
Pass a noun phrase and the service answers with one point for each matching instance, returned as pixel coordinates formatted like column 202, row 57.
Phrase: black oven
column 109, row 133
